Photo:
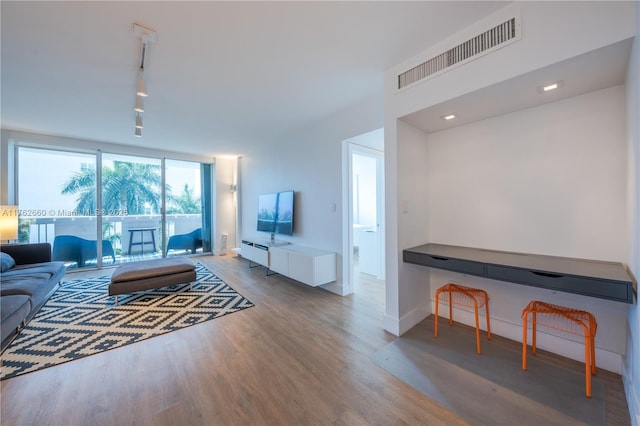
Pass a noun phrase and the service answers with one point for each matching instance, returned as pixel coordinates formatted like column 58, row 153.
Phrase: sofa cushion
column 28, row 253
column 37, row 286
column 51, row 268
column 6, row 261
column 25, row 287
column 14, row 310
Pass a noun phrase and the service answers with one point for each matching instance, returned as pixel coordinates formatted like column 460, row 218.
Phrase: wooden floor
column 301, row 356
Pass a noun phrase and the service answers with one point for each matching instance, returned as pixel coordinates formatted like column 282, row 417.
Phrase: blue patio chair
column 75, row 249
column 191, row 241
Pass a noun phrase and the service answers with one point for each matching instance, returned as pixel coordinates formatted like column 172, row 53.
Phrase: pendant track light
column 142, row 87
column 139, row 105
column 146, row 36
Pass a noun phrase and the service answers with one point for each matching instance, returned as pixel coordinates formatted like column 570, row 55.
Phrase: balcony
column 136, row 237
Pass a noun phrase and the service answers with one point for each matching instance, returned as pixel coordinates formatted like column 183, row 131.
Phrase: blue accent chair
column 70, row 248
column 191, row 241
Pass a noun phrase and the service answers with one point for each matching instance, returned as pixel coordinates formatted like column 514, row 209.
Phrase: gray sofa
column 25, row 286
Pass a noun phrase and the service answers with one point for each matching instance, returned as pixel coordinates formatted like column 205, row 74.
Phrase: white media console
column 308, row 265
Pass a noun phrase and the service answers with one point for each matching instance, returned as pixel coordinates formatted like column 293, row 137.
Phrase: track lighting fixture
column 146, row 36
column 142, row 87
column 139, row 105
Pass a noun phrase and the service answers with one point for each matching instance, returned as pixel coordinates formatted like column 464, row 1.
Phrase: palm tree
column 84, row 184
column 184, row 203
column 126, row 187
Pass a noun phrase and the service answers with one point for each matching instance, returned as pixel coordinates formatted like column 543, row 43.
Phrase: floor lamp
column 8, row 223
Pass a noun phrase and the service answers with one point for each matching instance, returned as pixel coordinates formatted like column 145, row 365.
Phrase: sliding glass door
column 148, row 207
column 56, row 194
column 184, row 207
column 131, row 206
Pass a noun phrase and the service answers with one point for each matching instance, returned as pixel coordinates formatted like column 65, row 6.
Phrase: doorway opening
column 364, row 248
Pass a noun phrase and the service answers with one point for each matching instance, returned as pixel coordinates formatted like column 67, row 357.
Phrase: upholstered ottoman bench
column 149, row 274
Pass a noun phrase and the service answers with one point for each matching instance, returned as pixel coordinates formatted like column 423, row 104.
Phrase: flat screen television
column 275, row 213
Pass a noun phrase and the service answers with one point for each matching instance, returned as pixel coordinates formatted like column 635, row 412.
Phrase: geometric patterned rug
column 80, row 319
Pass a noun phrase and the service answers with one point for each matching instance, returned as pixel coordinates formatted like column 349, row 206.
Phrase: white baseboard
column 334, row 287
column 413, row 317
column 392, row 325
column 557, row 344
column 407, row 322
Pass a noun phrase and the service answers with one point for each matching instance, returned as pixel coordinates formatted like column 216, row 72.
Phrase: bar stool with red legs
column 456, row 294
column 568, row 320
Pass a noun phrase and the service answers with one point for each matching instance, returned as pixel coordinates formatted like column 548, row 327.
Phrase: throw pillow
column 7, row 262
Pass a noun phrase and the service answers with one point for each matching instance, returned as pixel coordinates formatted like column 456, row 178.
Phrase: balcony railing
column 145, row 230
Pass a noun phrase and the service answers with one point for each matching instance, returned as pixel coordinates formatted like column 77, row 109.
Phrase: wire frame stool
column 455, row 294
column 568, row 320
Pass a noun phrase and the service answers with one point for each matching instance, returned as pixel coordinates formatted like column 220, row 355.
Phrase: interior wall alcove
column 525, row 171
column 555, row 189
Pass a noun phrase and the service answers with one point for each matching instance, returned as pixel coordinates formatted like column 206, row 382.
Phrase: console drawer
column 586, row 286
column 441, row 262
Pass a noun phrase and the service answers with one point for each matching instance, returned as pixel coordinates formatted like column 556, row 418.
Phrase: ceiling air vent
column 495, row 38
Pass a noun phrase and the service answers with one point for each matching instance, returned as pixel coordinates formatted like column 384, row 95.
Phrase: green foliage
column 24, row 230
column 126, row 187
column 185, row 203
column 129, row 187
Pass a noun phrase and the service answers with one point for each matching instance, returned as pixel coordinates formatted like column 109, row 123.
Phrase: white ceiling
column 598, row 69
column 222, row 76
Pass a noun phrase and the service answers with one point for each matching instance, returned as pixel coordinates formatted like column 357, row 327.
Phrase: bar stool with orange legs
column 573, row 321
column 456, row 294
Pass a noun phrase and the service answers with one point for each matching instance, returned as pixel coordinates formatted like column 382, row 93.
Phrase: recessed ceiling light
column 550, row 87
column 449, row 116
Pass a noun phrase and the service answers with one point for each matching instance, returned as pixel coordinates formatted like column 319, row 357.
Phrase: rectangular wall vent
column 498, row 36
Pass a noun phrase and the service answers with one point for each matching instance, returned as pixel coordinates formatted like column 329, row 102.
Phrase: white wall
column 412, row 199
column 556, row 188
column 5, row 198
column 631, row 366
column 308, row 161
column 225, row 204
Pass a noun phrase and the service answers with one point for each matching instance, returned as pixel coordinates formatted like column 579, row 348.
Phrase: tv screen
column 275, row 213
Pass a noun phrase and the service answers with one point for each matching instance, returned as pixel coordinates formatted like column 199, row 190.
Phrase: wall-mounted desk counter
column 605, row 280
